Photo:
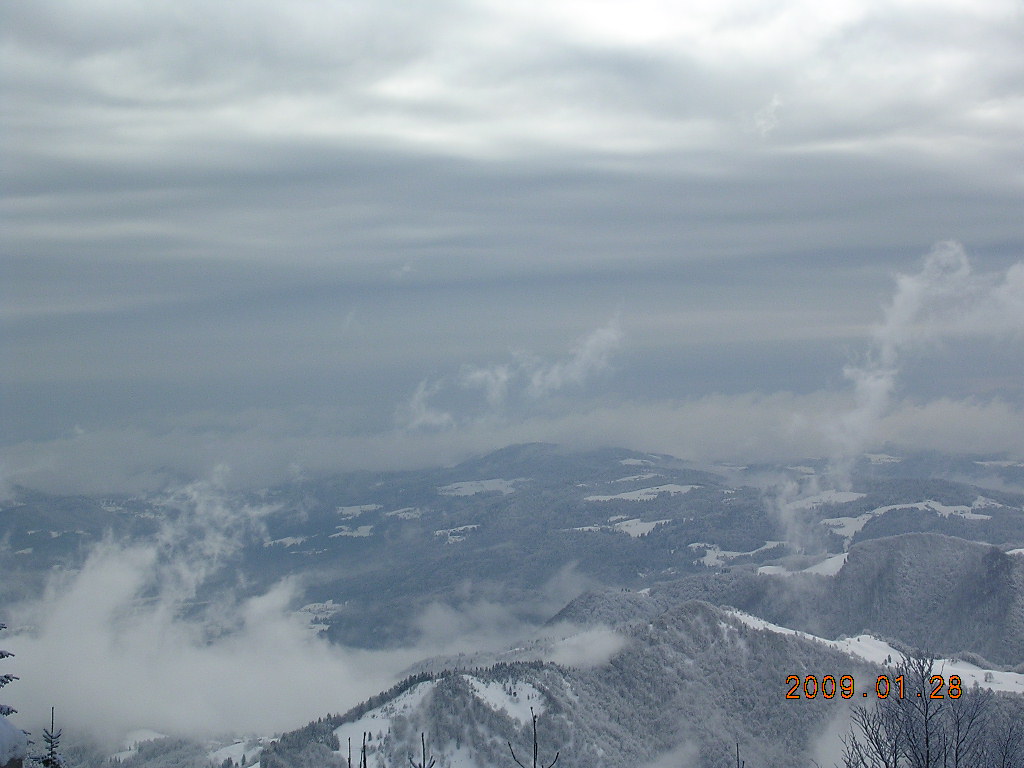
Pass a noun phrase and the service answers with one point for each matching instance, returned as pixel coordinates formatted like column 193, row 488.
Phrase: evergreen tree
column 52, row 758
column 5, row 679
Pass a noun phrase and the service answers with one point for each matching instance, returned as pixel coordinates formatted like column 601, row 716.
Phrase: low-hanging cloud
column 528, row 379
column 945, row 299
column 135, row 641
column 111, row 648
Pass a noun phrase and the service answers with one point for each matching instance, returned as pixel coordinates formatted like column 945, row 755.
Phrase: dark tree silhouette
column 423, row 760
column 549, row 765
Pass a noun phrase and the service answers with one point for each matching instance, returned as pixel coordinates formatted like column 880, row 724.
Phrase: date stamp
column 811, row 686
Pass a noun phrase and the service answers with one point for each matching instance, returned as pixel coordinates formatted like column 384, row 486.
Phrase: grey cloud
column 200, row 199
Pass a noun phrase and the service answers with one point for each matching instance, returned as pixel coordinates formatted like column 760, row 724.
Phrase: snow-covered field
column 634, row 478
column 288, row 541
column 359, row 532
column 357, row 510
column 847, row 527
column 882, row 458
column 825, row 497
column 716, row 556
column 830, row 566
column 244, row 752
column 455, row 535
column 636, row 527
column 405, row 513
column 645, row 494
column 472, row 487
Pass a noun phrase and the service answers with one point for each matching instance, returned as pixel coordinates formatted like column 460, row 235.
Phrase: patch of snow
column 645, row 494
column 716, row 556
column 287, row 541
column 26, row 551
column 358, row 532
column 456, row 534
column 635, row 462
column 830, row 566
column 1000, row 464
column 357, row 510
column 405, row 513
column 876, row 651
column 632, row 478
column 250, row 749
column 939, row 508
column 825, row 497
column 882, row 458
column 1016, row 552
column 636, row 528
column 775, row 570
column 379, row 720
column 517, row 705
column 472, row 487
column 320, row 610
column 803, row 469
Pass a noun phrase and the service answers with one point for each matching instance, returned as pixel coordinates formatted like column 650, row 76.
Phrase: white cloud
column 111, row 644
column 589, row 357
column 529, row 378
column 417, row 413
column 945, row 299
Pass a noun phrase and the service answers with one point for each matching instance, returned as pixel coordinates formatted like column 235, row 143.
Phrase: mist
column 135, row 640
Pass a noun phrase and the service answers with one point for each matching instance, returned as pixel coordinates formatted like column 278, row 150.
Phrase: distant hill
column 686, row 686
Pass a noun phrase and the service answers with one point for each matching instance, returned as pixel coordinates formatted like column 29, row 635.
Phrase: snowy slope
column 878, row 651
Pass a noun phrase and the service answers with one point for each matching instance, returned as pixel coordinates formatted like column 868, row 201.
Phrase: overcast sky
column 289, row 237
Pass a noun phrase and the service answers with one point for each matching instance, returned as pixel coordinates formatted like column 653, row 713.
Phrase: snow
column 645, row 494
column 774, row 570
column 456, row 534
column 288, row 541
column 405, row 513
column 636, row 528
column 882, row 458
column 633, row 478
column 471, row 487
column 829, row 566
column 635, row 462
column 825, row 497
column 1000, row 464
column 359, row 532
column 803, row 469
column 248, row 748
column 379, row 720
column 716, row 556
column 1016, row 552
column 943, row 509
column 876, row 651
column 493, row 694
column 132, row 741
column 13, row 743
column 357, row 510
column 847, row 527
